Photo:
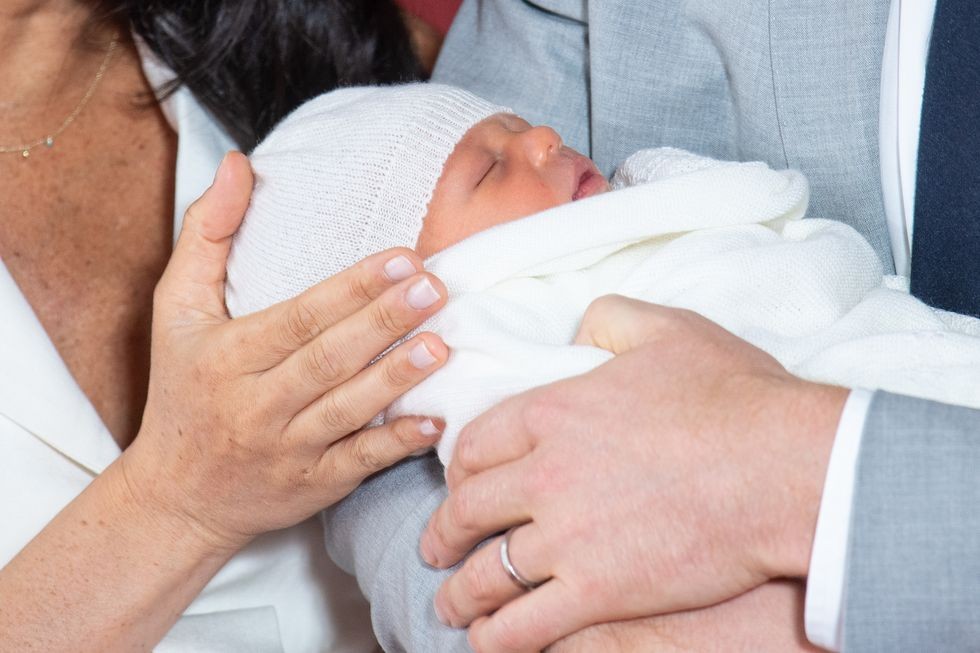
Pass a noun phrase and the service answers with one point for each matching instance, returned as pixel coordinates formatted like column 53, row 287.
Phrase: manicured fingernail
column 422, row 295
column 429, row 428
column 421, row 357
column 399, row 268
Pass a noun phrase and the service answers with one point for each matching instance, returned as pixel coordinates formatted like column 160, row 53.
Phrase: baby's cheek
column 446, row 225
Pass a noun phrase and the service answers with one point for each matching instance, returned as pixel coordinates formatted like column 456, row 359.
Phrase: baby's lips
column 590, row 180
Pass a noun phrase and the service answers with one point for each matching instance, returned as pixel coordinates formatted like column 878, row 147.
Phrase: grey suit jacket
column 794, row 83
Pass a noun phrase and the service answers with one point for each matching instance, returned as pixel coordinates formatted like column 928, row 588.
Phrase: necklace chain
column 48, row 141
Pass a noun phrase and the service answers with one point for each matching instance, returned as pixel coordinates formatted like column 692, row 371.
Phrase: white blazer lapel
column 39, row 393
column 202, row 142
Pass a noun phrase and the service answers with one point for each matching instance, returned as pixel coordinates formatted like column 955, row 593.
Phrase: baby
column 494, row 204
column 359, row 170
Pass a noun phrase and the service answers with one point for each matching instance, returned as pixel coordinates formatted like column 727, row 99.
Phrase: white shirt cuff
column 826, row 582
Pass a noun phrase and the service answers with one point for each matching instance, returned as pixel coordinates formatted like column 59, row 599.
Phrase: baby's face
column 504, row 169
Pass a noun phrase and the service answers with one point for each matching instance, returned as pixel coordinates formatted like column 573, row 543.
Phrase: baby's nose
column 540, row 144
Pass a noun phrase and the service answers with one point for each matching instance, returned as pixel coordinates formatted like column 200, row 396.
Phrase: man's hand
column 682, row 473
column 769, row 619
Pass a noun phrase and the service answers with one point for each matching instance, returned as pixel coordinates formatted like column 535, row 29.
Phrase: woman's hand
column 682, row 473
column 251, row 425
column 255, row 424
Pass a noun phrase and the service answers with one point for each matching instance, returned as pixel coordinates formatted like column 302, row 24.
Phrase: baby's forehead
column 502, row 120
column 485, row 133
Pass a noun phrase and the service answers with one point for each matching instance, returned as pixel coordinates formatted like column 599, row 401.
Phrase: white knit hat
column 347, row 174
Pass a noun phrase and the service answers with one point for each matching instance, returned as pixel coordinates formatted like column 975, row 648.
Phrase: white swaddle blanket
column 723, row 239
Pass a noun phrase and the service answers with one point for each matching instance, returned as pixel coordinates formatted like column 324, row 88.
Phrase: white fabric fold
column 723, row 239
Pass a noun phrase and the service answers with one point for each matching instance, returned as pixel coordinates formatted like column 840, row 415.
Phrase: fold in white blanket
column 723, row 239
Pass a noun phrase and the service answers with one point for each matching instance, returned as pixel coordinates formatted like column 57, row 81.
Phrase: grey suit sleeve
column 913, row 580
column 374, row 535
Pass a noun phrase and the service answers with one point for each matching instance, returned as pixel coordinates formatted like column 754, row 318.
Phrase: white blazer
column 281, row 593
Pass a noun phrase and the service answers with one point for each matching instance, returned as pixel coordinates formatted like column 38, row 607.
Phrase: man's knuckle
column 466, row 452
column 542, row 483
column 461, row 507
column 588, row 587
column 506, row 636
column 437, row 529
column 480, row 585
column 540, row 413
column 483, row 637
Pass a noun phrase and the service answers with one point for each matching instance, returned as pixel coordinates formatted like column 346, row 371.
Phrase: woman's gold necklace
column 48, row 141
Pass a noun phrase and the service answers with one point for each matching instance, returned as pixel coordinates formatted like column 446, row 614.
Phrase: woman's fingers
column 193, row 285
column 350, row 406
column 341, row 351
column 482, row 585
column 274, row 334
column 478, row 507
column 369, row 451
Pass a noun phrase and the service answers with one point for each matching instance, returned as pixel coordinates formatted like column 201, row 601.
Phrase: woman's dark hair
column 250, row 62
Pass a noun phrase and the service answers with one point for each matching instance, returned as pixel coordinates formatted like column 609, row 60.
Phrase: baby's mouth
column 590, row 181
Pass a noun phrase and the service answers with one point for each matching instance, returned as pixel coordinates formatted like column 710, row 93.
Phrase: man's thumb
column 619, row 324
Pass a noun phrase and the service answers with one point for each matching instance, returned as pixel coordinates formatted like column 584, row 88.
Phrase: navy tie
column 946, row 231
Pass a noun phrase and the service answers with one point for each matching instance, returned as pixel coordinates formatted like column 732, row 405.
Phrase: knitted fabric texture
column 719, row 238
column 347, row 174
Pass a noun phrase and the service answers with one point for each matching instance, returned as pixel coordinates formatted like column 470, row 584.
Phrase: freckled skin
column 503, row 169
column 86, row 228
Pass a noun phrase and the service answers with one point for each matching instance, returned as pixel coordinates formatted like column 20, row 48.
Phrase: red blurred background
column 437, row 13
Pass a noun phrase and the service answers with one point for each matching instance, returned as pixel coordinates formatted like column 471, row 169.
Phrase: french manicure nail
column 399, row 269
column 421, row 357
column 422, row 295
column 428, row 428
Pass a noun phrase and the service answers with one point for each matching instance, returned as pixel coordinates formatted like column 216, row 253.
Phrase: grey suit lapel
column 827, row 76
column 656, row 79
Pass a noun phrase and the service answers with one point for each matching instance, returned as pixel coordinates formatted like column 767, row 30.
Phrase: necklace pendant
column 49, row 141
column 26, row 153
